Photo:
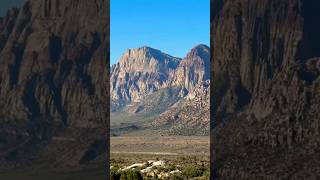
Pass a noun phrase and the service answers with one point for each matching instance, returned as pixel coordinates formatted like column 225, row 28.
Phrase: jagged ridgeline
column 171, row 92
column 54, row 78
column 266, row 91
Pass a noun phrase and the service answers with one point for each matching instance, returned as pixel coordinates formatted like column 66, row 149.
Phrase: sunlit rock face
column 174, row 91
column 140, row 72
column 143, row 71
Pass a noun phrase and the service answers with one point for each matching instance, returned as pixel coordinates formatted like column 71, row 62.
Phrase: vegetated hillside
column 266, row 91
column 53, row 79
column 149, row 82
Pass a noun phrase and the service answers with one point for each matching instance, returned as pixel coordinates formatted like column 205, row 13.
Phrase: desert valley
column 160, row 111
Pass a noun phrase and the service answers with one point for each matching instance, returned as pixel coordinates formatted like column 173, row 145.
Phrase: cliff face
column 165, row 88
column 193, row 69
column 140, row 72
column 266, row 87
column 143, row 71
column 53, row 67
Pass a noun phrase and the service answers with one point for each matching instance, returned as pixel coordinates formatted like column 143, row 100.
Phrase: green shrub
column 131, row 175
column 155, row 178
column 206, row 174
column 170, row 167
column 176, row 177
column 114, row 175
column 191, row 171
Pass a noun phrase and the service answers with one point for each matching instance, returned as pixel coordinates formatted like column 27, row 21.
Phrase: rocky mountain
column 148, row 80
column 53, row 76
column 194, row 69
column 140, row 72
column 265, row 83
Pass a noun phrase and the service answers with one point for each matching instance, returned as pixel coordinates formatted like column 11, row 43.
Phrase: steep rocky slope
column 53, row 74
column 140, row 72
column 149, row 81
column 189, row 116
column 265, row 89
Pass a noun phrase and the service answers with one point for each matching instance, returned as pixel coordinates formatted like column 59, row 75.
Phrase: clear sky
column 172, row 26
column 7, row 4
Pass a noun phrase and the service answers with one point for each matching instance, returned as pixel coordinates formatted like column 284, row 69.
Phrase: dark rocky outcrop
column 265, row 89
column 54, row 71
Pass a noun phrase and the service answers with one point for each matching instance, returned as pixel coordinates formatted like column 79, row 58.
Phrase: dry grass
column 184, row 145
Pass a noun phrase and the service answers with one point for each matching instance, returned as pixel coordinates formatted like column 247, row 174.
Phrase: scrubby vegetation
column 131, row 174
column 191, row 171
column 168, row 171
column 180, row 130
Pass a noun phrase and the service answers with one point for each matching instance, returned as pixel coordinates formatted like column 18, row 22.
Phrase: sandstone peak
column 143, row 49
column 200, row 50
column 202, row 46
column 142, row 71
column 146, row 53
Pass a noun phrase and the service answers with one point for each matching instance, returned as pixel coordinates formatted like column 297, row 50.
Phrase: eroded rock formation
column 53, row 70
column 144, row 74
column 265, row 89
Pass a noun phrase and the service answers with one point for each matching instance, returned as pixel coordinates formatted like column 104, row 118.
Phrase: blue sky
column 172, row 26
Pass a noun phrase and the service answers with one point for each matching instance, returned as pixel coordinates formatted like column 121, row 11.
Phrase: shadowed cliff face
column 266, row 89
column 51, row 62
column 53, row 67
